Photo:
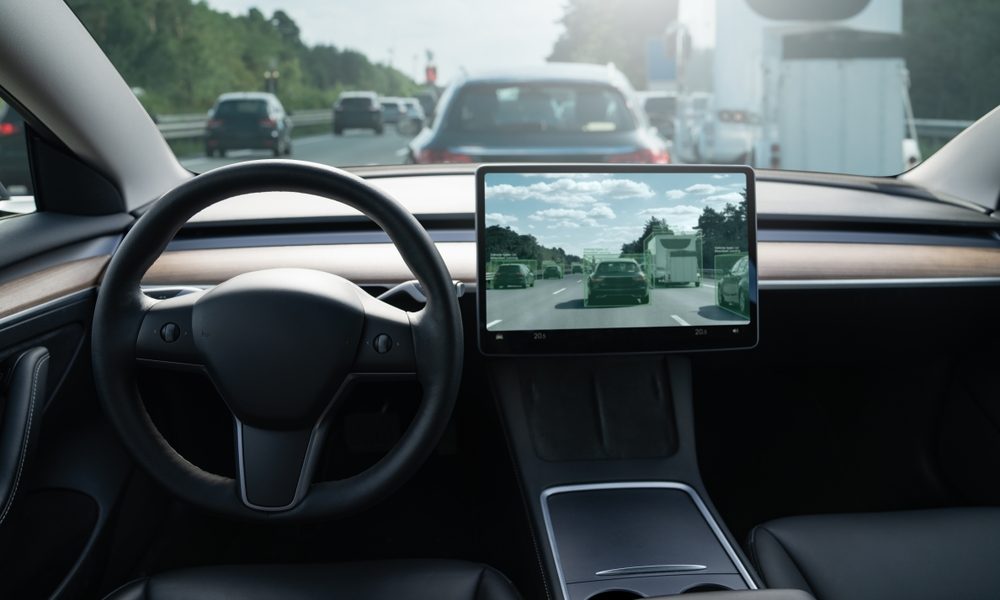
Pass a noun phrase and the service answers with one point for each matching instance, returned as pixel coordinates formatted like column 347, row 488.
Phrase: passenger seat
column 906, row 555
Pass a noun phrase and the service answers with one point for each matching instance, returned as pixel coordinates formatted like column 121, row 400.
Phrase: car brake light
column 8, row 129
column 213, row 124
column 269, row 123
column 441, row 156
column 642, row 156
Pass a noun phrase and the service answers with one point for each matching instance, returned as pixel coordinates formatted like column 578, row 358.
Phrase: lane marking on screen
column 492, row 323
column 708, row 285
column 579, row 281
column 674, row 317
column 559, row 290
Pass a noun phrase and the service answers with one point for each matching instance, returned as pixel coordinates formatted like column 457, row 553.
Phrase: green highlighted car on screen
column 513, row 275
column 732, row 291
column 616, row 282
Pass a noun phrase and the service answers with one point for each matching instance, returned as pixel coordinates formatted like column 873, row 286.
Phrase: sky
column 593, row 211
column 474, row 34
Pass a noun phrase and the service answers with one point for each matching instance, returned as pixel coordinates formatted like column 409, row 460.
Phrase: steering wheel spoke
column 275, row 466
column 166, row 337
column 387, row 345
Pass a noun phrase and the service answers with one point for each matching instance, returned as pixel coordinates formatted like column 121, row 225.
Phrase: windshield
column 868, row 87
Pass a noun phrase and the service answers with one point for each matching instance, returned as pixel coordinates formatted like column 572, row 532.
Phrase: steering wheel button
column 382, row 343
column 170, row 332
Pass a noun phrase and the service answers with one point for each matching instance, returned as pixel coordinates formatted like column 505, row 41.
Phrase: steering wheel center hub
column 278, row 343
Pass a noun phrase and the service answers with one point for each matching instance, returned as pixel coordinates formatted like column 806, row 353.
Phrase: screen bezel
column 624, row 340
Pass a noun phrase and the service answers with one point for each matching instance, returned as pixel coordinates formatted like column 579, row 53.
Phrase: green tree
column 723, row 230
column 636, row 246
column 184, row 54
column 953, row 55
column 598, row 31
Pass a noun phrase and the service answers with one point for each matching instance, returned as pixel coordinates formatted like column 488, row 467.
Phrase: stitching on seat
column 24, row 442
column 791, row 559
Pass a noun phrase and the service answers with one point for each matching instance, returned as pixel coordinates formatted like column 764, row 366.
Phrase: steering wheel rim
column 124, row 325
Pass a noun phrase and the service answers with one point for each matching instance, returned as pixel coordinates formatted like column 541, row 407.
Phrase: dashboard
column 810, row 233
column 814, row 232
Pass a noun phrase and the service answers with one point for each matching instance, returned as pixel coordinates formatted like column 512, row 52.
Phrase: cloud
column 671, row 211
column 600, row 211
column 719, row 201
column 703, row 189
column 719, row 176
column 559, row 213
column 565, row 225
column 571, row 193
column 675, row 194
column 500, row 219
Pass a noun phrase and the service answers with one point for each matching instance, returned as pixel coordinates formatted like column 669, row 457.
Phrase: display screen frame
column 629, row 340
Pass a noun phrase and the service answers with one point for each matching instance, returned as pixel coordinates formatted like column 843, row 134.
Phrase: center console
column 604, row 449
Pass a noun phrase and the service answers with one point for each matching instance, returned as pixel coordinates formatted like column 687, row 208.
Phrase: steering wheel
column 281, row 346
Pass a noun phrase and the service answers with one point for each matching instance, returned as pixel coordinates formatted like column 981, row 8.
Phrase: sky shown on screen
column 591, row 211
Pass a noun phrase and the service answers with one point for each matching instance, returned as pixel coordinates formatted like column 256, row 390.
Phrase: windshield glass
column 868, row 87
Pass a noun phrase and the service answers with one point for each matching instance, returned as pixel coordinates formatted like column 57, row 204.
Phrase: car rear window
column 556, row 108
column 610, row 268
column 356, row 103
column 229, row 108
column 508, row 269
column 664, row 105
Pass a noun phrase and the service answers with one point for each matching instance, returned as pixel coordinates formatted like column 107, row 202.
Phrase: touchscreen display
column 573, row 255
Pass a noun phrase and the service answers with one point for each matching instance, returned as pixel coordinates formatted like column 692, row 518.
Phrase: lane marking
column 678, row 319
column 402, row 151
column 708, row 285
column 579, row 281
column 492, row 323
column 559, row 290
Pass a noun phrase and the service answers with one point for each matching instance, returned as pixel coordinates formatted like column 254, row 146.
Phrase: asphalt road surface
column 558, row 304
column 354, row 148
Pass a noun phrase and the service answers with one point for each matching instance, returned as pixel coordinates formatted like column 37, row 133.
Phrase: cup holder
column 616, row 595
column 706, row 587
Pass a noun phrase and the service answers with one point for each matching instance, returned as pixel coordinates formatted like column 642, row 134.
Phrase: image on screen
column 616, row 250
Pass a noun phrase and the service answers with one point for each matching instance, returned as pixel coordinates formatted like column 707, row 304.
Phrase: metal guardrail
column 177, row 127
column 943, row 129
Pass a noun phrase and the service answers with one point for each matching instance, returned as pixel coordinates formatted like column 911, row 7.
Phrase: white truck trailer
column 673, row 259
column 786, row 90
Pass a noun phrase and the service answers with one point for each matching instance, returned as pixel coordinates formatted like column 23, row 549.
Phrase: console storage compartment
column 644, row 538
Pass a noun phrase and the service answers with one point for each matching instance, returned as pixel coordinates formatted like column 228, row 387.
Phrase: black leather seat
column 377, row 580
column 911, row 555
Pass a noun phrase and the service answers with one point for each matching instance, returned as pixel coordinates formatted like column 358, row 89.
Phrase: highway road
column 354, row 148
column 558, row 304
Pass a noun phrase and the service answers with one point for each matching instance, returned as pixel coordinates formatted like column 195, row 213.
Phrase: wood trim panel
column 361, row 263
column 50, row 283
column 789, row 261
column 381, row 263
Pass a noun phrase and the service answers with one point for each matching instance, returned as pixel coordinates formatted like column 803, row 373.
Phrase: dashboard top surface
column 777, row 201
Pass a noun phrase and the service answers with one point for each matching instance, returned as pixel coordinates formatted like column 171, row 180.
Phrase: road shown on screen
column 559, row 304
